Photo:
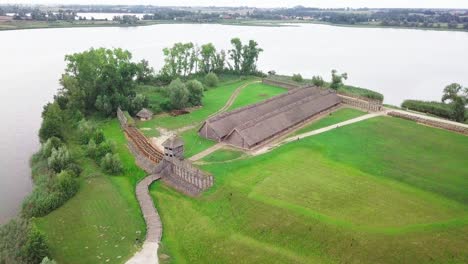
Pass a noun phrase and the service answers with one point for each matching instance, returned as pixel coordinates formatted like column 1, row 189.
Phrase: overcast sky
column 266, row 3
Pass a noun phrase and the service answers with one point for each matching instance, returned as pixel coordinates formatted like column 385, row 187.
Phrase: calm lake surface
column 399, row 63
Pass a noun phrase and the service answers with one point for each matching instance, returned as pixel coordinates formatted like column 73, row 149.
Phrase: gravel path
column 149, row 253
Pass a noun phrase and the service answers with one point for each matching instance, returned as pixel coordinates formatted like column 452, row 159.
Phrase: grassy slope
column 255, row 93
column 338, row 116
column 214, row 99
column 222, row 155
column 315, row 200
column 103, row 221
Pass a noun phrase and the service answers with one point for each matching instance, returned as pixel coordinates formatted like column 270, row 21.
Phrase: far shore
column 23, row 24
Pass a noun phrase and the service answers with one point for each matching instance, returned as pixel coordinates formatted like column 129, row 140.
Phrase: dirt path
column 206, row 152
column 232, row 98
column 149, row 253
column 268, row 148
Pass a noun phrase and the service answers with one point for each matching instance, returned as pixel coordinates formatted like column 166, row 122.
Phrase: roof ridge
column 256, row 120
column 223, row 115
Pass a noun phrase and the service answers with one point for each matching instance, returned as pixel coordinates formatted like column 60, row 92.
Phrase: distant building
column 174, row 147
column 145, row 114
column 250, row 126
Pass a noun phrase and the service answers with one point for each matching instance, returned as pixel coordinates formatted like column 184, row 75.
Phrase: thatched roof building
column 145, row 114
column 249, row 126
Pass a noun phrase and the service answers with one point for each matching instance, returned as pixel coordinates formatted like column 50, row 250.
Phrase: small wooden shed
column 145, row 114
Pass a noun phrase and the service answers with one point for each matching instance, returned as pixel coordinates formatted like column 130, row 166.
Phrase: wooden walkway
column 149, row 253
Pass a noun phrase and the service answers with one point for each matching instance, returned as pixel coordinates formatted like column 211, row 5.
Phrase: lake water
column 399, row 63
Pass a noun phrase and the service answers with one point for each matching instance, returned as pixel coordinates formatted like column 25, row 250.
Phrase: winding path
column 149, row 253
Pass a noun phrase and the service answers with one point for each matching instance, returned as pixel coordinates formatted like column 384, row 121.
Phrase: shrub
column 46, row 260
column 98, row 136
column 211, row 79
column 74, row 169
column 59, row 159
column 52, row 121
column 318, row 81
column 49, row 145
column 111, row 164
column 178, row 94
column 91, row 149
column 21, row 243
column 104, row 148
column 195, row 89
column 297, row 78
column 67, row 185
column 35, row 248
column 41, row 201
column 434, row 108
column 86, row 131
column 357, row 91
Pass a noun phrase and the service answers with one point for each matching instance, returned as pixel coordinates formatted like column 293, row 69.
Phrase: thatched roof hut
column 144, row 114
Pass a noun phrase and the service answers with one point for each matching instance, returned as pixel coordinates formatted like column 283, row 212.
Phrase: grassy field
column 223, row 155
column 193, row 143
column 402, row 199
column 213, row 100
column 336, row 117
column 103, row 221
column 255, row 93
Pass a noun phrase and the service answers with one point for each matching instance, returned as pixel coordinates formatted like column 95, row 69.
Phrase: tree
column 195, row 89
column 337, row 80
column 208, row 57
column 250, row 55
column 178, row 94
column 297, row 78
column 52, row 120
column 458, row 97
column 100, row 80
column 318, row 81
column 49, row 145
column 144, row 72
column 235, row 54
column 59, row 159
column 211, row 79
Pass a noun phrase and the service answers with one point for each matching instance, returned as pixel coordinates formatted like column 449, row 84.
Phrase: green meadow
column 383, row 190
column 103, row 220
column 255, row 93
column 336, row 117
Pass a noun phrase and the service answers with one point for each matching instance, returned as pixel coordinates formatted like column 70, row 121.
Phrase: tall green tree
column 337, row 79
column 100, row 80
column 208, row 57
column 458, row 97
column 178, row 94
column 250, row 55
column 235, row 54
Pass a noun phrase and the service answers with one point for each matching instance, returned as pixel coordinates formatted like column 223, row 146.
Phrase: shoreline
column 16, row 25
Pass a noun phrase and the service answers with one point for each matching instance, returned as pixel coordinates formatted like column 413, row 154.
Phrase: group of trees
column 126, row 19
column 184, row 59
column 182, row 94
column 101, row 80
column 452, row 106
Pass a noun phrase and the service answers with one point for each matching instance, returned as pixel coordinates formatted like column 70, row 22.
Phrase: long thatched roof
column 256, row 123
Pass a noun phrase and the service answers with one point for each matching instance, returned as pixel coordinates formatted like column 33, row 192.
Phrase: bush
column 43, row 200
column 434, row 108
column 318, row 81
column 49, row 145
column 21, row 243
column 46, row 260
column 111, row 164
column 297, row 78
column 357, row 91
column 35, row 249
column 67, row 185
column 178, row 94
column 98, row 136
column 91, row 149
column 195, row 89
column 104, row 148
column 211, row 79
column 86, row 131
column 59, row 159
column 74, row 169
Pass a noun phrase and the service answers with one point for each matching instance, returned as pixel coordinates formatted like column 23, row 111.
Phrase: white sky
column 266, row 3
